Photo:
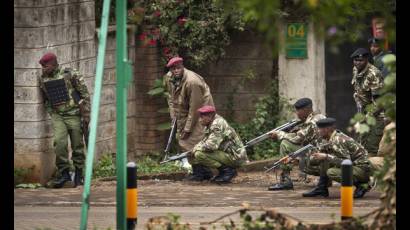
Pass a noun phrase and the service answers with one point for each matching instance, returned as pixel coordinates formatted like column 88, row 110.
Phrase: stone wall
column 106, row 132
column 67, row 29
column 247, row 53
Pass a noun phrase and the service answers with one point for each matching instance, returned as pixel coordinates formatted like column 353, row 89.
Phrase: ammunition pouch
column 57, row 92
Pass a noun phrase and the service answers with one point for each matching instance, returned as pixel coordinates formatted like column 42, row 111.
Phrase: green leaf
column 370, row 120
column 156, row 91
column 363, row 128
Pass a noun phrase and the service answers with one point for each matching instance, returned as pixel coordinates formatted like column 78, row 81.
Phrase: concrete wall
column 304, row 77
column 63, row 27
column 246, row 53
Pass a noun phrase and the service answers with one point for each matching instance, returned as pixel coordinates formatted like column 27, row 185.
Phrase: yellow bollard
column 346, row 190
column 132, row 196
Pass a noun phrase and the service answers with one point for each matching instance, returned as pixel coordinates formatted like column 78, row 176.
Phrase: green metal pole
column 122, row 70
column 94, row 114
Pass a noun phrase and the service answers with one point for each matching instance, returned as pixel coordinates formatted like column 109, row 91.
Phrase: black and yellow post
column 132, row 196
column 346, row 190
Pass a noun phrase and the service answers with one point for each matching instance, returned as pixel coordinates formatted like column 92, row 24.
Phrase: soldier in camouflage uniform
column 221, row 148
column 303, row 134
column 65, row 96
column 329, row 157
column 367, row 81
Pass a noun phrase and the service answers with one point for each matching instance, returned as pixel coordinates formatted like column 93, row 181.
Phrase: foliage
column 338, row 20
column 197, row 30
column 98, row 7
column 105, row 167
column 29, row 186
column 20, row 175
column 171, row 221
column 268, row 115
column 149, row 165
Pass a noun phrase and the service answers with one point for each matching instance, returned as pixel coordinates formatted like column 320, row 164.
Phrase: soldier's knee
column 199, row 155
column 333, row 173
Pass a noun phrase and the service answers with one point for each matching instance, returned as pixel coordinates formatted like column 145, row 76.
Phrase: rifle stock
column 176, row 157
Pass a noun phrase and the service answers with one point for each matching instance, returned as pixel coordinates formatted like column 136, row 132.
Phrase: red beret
column 206, row 109
column 174, row 60
column 47, row 57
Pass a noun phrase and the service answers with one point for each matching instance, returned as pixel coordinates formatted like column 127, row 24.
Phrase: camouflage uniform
column 220, row 146
column 307, row 133
column 341, row 147
column 365, row 84
column 379, row 64
column 186, row 96
column 65, row 118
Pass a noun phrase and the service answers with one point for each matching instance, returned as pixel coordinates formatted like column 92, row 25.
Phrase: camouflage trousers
column 361, row 173
column 64, row 126
column 215, row 159
column 286, row 147
column 371, row 139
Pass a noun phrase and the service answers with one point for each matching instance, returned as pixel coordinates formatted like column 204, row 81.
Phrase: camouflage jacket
column 307, row 132
column 220, row 136
column 341, row 147
column 73, row 81
column 365, row 84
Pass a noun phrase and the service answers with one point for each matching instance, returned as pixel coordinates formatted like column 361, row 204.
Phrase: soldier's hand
column 184, row 135
column 319, row 156
column 274, row 136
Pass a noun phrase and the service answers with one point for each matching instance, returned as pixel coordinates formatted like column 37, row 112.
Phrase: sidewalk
column 195, row 202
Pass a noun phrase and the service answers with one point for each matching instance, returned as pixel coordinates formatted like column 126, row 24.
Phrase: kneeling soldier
column 221, row 148
column 339, row 147
column 303, row 134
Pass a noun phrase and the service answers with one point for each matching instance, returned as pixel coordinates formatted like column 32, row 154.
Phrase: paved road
column 194, row 202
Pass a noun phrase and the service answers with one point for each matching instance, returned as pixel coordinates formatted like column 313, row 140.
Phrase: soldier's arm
column 80, row 86
column 297, row 138
column 214, row 139
column 374, row 82
column 195, row 102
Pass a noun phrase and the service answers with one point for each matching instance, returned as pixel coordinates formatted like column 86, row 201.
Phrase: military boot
column 360, row 190
column 78, row 177
column 62, row 181
column 200, row 173
column 284, row 184
column 321, row 188
column 226, row 174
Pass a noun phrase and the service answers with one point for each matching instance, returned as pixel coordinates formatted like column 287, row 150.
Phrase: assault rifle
column 285, row 127
column 176, row 157
column 291, row 156
column 171, row 137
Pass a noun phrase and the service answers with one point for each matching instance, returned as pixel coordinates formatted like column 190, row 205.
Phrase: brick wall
column 247, row 52
column 63, row 27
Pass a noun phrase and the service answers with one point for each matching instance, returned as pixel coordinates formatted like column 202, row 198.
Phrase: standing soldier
column 221, row 148
column 65, row 97
column 187, row 93
column 339, row 147
column 376, row 48
column 303, row 134
column 367, row 81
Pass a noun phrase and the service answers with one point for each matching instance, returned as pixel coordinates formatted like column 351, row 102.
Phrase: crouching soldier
column 303, row 134
column 221, row 148
column 339, row 147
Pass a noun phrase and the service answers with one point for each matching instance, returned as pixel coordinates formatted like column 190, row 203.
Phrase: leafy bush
column 269, row 113
column 20, row 175
column 105, row 167
column 196, row 30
